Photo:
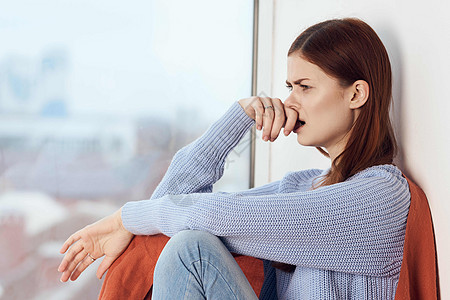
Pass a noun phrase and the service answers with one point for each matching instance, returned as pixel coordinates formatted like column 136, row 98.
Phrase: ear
column 360, row 90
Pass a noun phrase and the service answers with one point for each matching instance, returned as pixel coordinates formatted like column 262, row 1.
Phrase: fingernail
column 259, row 127
column 265, row 138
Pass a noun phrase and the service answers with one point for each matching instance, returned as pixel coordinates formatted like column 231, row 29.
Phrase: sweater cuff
column 226, row 133
column 138, row 217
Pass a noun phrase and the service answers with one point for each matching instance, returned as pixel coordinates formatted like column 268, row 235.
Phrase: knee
column 188, row 241
column 193, row 237
column 185, row 247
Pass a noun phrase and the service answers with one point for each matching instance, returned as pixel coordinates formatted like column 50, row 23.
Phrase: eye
column 289, row 87
column 305, row 87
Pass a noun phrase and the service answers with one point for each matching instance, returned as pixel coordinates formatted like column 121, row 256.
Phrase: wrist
column 118, row 218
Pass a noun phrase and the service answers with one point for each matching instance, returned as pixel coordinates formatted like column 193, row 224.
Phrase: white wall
column 417, row 37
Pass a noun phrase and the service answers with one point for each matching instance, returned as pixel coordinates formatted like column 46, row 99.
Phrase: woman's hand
column 106, row 237
column 270, row 116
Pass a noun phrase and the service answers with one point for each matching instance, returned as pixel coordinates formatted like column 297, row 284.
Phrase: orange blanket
column 419, row 273
column 131, row 275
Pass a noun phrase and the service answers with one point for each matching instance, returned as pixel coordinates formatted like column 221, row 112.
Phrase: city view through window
column 95, row 99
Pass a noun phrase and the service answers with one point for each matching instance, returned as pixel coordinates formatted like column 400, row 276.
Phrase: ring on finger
column 92, row 258
column 268, row 106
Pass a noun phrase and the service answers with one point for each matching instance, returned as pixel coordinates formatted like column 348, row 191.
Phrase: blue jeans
column 197, row 265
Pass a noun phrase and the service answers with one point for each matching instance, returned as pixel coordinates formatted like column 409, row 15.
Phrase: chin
column 302, row 141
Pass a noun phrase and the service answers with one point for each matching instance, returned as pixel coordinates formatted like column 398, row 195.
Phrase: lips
column 298, row 124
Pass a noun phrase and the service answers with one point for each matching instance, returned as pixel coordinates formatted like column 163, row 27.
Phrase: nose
column 289, row 102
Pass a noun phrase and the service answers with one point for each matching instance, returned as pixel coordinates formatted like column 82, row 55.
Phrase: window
column 95, row 99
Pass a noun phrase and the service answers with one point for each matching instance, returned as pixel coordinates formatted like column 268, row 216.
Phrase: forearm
column 197, row 166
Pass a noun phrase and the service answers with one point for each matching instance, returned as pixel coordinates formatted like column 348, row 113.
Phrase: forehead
column 299, row 68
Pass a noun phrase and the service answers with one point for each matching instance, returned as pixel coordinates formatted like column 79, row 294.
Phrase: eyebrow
column 298, row 81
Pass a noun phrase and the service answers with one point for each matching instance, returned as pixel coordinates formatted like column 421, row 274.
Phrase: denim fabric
column 196, row 265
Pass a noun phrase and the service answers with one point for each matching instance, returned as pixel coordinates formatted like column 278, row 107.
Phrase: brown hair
column 350, row 50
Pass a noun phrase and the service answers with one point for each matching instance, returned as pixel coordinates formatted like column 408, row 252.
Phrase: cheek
column 339, row 118
column 332, row 112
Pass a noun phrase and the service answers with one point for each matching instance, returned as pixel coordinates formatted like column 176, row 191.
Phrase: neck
column 333, row 154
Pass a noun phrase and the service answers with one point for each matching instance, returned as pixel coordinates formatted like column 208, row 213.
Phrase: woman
column 329, row 234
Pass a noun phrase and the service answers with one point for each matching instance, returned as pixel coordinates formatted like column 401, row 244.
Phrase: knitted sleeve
column 196, row 167
column 356, row 226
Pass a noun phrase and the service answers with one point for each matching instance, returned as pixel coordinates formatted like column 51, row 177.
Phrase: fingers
column 279, row 118
column 86, row 262
column 102, row 237
column 76, row 259
column 291, row 120
column 70, row 256
column 268, row 116
column 268, row 113
column 104, row 266
column 72, row 239
column 72, row 264
column 258, row 108
column 272, row 118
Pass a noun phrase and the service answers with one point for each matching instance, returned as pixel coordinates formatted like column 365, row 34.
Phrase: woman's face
column 321, row 103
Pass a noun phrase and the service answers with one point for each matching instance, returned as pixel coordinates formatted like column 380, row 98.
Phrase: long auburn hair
column 350, row 50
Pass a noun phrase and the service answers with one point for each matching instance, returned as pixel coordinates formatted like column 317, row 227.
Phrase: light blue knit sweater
column 346, row 239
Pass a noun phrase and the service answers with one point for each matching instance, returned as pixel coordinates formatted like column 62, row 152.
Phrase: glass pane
column 95, row 99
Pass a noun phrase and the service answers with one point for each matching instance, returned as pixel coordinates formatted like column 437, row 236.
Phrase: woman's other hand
column 270, row 116
column 106, row 237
